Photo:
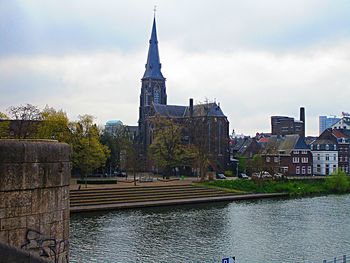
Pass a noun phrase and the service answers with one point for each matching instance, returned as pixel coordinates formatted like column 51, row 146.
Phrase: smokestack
column 302, row 118
column 191, row 107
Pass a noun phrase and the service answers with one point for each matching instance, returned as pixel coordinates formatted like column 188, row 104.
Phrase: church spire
column 153, row 63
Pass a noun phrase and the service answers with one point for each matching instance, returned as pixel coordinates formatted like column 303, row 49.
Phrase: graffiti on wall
column 46, row 247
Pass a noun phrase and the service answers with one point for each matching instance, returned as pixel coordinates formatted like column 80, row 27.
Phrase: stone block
column 11, row 176
column 33, row 221
column 17, row 237
column 13, row 223
column 58, row 216
column 2, row 213
column 18, row 199
column 4, row 235
column 18, row 211
column 45, row 229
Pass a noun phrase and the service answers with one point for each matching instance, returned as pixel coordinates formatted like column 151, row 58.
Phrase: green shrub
column 338, row 182
column 228, row 173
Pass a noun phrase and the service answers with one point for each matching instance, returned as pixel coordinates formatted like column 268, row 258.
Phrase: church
column 212, row 126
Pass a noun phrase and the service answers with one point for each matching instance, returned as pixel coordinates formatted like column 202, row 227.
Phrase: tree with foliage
column 257, row 163
column 167, row 149
column 115, row 142
column 242, row 164
column 131, row 158
column 4, row 125
column 54, row 125
column 88, row 153
column 26, row 120
column 201, row 138
column 338, row 182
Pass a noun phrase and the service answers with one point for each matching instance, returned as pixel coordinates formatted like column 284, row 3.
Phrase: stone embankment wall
column 34, row 197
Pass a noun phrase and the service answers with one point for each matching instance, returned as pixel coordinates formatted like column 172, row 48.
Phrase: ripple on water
column 292, row 230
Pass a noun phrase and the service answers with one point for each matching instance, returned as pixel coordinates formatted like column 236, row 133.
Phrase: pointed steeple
column 153, row 63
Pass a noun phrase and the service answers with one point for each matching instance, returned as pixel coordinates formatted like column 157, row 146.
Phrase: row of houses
column 294, row 154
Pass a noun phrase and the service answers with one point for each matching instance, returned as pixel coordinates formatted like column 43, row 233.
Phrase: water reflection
column 260, row 231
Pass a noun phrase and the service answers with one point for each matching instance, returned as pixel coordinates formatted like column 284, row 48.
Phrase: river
column 262, row 231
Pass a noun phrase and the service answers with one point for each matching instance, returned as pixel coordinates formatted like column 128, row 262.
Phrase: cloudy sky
column 256, row 57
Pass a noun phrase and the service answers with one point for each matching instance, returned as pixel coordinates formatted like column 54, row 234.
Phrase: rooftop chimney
column 191, row 107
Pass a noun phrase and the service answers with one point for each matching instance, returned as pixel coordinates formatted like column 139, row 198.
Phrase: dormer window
column 327, row 147
column 318, row 146
column 335, row 146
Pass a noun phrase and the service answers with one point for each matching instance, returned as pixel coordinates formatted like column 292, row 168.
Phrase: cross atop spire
column 153, row 62
column 154, row 11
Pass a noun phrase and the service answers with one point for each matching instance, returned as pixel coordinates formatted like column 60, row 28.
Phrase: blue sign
column 228, row 260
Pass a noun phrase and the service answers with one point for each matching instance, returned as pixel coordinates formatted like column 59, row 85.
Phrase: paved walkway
column 122, row 182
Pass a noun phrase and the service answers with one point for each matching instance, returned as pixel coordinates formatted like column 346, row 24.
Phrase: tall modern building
column 326, row 122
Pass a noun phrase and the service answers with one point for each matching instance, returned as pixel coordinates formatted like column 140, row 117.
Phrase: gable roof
column 277, row 144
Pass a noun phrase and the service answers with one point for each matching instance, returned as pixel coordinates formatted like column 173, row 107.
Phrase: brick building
column 287, row 154
column 282, row 125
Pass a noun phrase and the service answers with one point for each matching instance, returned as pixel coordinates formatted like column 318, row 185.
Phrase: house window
column 335, row 146
column 335, row 157
column 297, row 170
column 340, row 158
column 318, row 168
column 275, row 159
column 318, row 157
column 345, row 158
column 267, row 159
column 303, row 170
column 318, row 146
column 309, row 170
column 295, row 159
column 296, row 152
column 304, row 160
column 327, row 157
column 312, row 147
column 327, row 147
column 304, row 152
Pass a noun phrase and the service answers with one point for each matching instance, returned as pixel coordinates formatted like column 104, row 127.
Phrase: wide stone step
column 146, row 199
column 159, row 195
column 131, row 189
column 140, row 193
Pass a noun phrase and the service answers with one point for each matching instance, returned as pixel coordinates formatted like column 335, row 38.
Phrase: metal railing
column 338, row 259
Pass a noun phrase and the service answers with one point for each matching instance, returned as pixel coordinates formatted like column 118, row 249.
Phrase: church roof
column 153, row 62
column 177, row 111
column 171, row 111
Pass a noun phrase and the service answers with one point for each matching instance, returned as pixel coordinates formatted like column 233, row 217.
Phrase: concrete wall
column 34, row 197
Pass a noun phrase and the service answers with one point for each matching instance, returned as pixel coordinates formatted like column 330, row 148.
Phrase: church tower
column 153, row 90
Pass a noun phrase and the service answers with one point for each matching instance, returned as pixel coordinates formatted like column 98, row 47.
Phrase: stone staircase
column 143, row 196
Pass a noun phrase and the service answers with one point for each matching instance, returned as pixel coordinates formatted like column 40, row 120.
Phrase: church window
column 157, row 96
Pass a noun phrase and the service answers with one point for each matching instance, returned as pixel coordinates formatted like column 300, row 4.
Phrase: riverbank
column 330, row 185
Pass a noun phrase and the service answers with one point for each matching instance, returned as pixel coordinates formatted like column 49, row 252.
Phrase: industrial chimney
column 302, row 118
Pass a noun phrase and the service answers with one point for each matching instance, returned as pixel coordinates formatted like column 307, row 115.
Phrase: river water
column 284, row 230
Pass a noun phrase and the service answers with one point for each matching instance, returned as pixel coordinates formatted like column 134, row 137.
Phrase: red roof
column 263, row 140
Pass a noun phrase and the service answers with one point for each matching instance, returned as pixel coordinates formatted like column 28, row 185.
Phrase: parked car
column 243, row 176
column 120, row 174
column 220, row 176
